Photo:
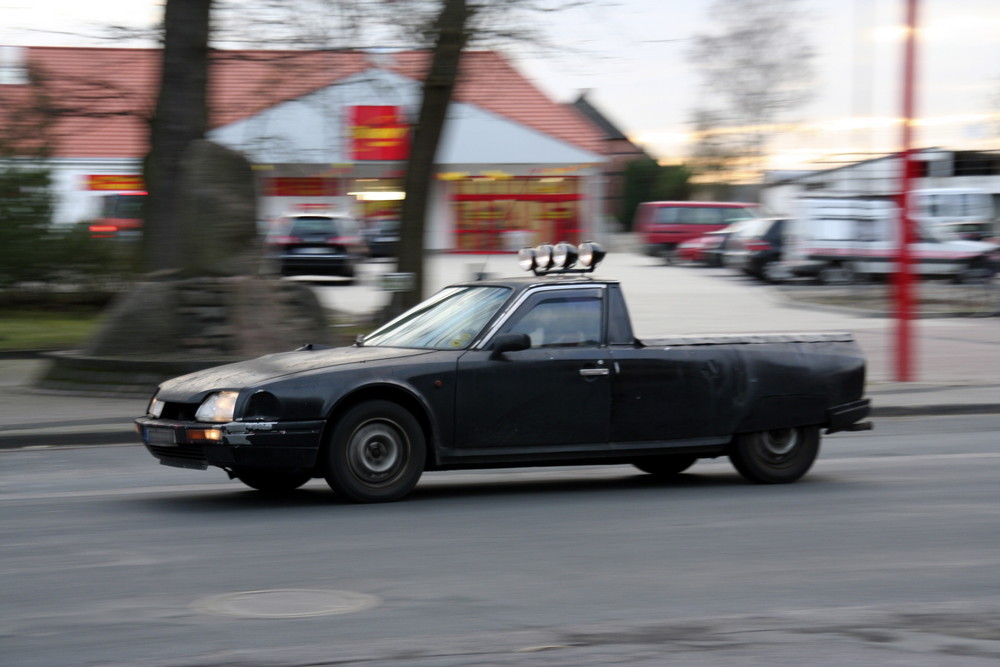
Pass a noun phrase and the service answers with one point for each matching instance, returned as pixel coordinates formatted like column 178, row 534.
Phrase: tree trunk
column 437, row 91
column 181, row 117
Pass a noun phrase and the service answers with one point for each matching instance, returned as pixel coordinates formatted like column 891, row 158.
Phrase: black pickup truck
column 528, row 371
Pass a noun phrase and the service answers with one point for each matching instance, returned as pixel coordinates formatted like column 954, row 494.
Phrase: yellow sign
column 115, row 182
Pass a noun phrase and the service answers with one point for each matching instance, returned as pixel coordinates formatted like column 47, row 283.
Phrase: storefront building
column 513, row 168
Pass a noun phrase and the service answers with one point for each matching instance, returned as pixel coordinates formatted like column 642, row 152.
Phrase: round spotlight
column 543, row 257
column 591, row 255
column 526, row 259
column 564, row 256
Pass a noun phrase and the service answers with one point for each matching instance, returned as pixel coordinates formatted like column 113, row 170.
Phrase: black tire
column 778, row 456
column 272, row 481
column 977, row 273
column 665, row 466
column 772, row 272
column 376, row 453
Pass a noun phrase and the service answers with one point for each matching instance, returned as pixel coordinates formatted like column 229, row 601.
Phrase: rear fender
column 773, row 412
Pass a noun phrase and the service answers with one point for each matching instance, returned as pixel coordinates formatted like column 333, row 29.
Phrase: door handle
column 588, row 372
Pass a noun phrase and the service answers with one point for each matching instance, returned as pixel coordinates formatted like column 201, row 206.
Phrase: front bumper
column 233, row 445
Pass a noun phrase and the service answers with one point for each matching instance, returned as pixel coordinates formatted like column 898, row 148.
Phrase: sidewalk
column 956, row 358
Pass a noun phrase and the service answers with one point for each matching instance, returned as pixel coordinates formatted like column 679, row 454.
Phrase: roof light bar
column 561, row 258
column 564, row 256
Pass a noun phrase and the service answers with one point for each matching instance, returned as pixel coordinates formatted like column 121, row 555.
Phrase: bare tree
column 181, row 117
column 755, row 67
column 439, row 84
column 455, row 24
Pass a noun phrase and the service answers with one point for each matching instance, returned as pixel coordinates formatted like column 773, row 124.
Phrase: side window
column 562, row 321
column 713, row 216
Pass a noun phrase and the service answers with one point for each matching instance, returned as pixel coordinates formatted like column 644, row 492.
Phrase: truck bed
column 746, row 339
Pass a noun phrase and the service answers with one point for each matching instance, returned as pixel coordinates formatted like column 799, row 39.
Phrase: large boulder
column 217, row 221
column 220, row 305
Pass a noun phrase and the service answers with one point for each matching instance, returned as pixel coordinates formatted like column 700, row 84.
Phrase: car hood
column 193, row 386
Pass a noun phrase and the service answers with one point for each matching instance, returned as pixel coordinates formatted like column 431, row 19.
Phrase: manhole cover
column 287, row 603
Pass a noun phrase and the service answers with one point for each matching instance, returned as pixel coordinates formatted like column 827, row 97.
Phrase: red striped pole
column 904, row 277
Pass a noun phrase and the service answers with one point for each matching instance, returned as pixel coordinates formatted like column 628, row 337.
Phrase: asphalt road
column 887, row 553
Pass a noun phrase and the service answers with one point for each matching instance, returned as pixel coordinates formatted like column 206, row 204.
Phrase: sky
column 632, row 58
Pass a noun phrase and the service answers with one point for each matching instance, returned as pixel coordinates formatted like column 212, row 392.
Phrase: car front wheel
column 376, row 453
column 777, row 456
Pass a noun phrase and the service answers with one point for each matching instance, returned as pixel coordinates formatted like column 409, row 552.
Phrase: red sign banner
column 310, row 186
column 379, row 133
column 115, row 182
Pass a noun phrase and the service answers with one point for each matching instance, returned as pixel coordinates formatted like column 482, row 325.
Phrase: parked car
column 710, row 248
column 700, row 249
column 120, row 216
column 755, row 249
column 382, row 238
column 316, row 244
column 530, row 371
column 664, row 225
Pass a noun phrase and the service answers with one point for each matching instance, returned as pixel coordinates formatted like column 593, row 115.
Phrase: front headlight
column 155, row 408
column 217, row 407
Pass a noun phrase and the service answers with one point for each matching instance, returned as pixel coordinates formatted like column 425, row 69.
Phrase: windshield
column 449, row 320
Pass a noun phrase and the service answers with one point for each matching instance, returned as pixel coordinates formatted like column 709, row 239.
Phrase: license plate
column 161, row 436
column 311, row 251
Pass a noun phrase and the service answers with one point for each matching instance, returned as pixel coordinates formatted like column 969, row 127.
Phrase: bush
column 32, row 250
column 25, row 214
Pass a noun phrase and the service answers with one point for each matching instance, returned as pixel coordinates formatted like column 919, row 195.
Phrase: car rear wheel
column 777, row 456
column 376, row 453
column 841, row 273
column 665, row 466
column 272, row 481
column 773, row 272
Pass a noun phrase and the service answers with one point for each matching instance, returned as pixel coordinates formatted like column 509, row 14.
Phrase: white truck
column 841, row 240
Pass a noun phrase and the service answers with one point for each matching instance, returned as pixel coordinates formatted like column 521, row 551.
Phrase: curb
column 76, row 439
column 786, row 299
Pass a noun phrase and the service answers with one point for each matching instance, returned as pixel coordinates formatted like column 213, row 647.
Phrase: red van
column 666, row 224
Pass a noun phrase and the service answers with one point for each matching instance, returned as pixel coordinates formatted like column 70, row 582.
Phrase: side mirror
column 510, row 342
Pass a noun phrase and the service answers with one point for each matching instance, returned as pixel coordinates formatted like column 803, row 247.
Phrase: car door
column 554, row 394
column 668, row 392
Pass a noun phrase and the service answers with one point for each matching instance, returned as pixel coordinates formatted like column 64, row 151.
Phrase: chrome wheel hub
column 376, row 452
column 780, row 442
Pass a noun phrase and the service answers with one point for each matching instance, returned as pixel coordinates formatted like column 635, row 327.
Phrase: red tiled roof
column 106, row 95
